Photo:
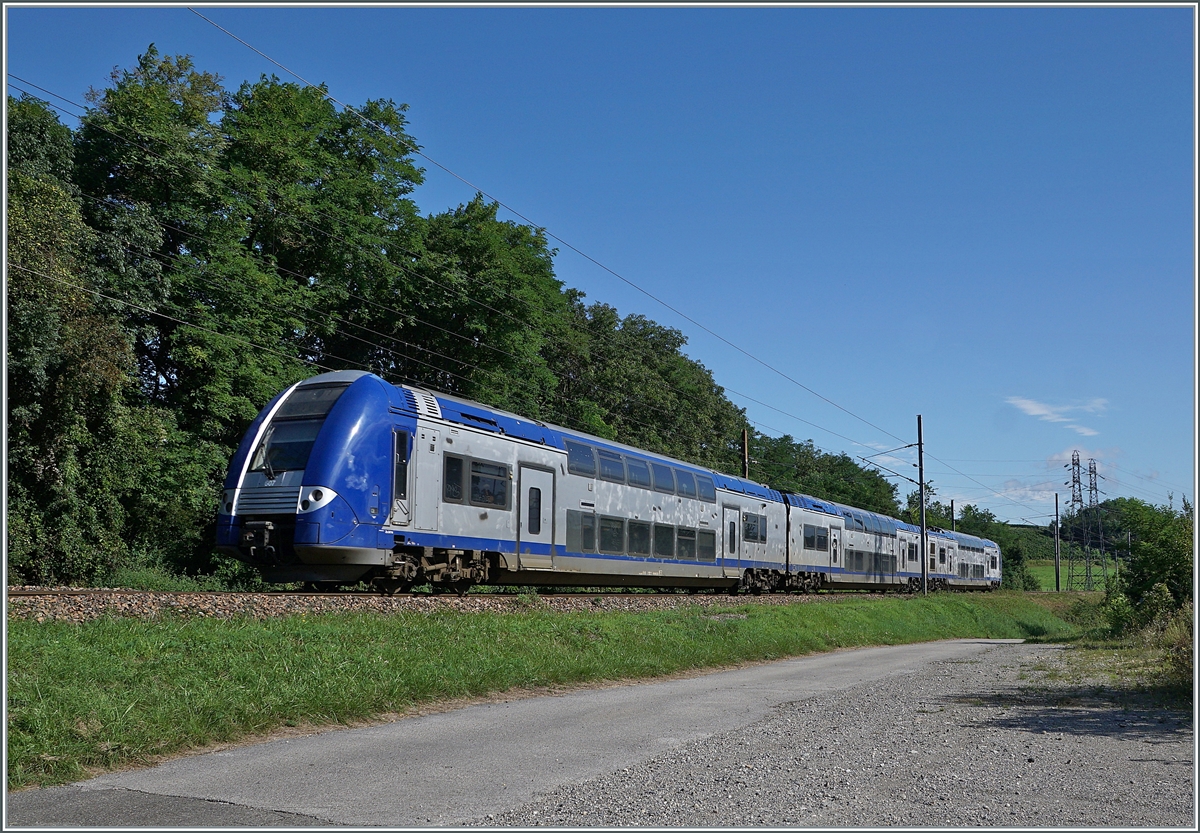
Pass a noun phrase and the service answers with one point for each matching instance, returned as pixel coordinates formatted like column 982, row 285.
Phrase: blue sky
column 981, row 215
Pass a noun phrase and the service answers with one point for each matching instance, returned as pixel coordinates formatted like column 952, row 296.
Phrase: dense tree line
column 189, row 251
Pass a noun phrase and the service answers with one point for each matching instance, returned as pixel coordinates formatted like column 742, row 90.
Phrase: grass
column 84, row 697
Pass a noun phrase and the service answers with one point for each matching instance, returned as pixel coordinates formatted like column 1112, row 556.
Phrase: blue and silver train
column 347, row 478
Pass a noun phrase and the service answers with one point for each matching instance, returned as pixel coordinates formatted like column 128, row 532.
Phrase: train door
column 401, row 449
column 731, row 558
column 834, row 539
column 429, row 476
column 535, row 524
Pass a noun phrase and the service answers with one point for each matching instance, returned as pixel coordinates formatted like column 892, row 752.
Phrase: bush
column 1119, row 612
column 1177, row 640
column 1156, row 607
column 1170, row 634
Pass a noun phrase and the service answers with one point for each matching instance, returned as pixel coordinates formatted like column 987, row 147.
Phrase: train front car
column 310, row 486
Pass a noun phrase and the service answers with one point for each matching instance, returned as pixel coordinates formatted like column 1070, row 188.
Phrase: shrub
column 1156, row 607
column 1119, row 612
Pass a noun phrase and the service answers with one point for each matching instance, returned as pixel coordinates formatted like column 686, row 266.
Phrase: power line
column 609, row 337
column 416, row 150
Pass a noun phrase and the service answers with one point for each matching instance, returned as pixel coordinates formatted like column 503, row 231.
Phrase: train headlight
column 315, row 498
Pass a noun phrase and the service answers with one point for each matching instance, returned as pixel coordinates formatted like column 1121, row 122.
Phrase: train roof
column 475, row 415
column 963, row 537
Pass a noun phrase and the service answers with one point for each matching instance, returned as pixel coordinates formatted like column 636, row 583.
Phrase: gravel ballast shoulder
column 996, row 741
column 80, row 605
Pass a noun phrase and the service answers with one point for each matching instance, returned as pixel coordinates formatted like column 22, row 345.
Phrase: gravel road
column 995, row 741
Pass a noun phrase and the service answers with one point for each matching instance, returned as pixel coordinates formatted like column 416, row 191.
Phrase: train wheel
column 392, row 586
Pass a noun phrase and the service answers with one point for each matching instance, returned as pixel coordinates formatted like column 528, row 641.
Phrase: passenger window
column 749, row 526
column 581, row 531
column 663, row 479
column 685, row 545
column 762, row 528
column 706, row 489
column 612, row 535
column 639, row 538
column 400, row 475
column 942, row 555
column 489, row 484
column 611, row 467
column 664, row 541
column 534, row 526
column 580, row 459
column 588, row 531
column 706, row 545
column 452, row 482
column 810, row 537
column 823, row 538
column 639, row 473
column 686, row 483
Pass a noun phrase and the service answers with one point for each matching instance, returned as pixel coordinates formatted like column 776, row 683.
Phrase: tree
column 68, row 363
column 1161, row 552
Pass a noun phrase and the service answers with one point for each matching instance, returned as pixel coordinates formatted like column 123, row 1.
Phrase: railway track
column 339, row 594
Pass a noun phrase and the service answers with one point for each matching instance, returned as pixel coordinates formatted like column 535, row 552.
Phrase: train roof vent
column 427, row 404
column 410, row 399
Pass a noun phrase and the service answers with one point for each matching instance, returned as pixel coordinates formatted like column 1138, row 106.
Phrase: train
column 345, row 478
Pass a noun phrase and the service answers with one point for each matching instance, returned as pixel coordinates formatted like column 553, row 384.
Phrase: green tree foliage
column 483, row 309
column 1162, row 551
column 67, row 364
column 628, row 379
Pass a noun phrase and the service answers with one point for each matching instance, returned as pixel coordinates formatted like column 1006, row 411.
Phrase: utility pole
column 952, row 527
column 1057, row 550
column 745, row 453
column 924, row 534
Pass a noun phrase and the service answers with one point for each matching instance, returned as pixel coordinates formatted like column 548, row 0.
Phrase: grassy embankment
column 112, row 692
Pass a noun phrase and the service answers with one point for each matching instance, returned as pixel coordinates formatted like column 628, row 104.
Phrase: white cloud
column 1058, row 413
column 1039, row 492
column 1038, row 409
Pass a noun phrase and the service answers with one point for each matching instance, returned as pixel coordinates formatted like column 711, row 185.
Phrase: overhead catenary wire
column 433, row 281
column 416, row 150
column 473, row 341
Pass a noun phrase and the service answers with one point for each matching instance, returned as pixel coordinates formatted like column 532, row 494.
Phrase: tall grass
column 115, row 691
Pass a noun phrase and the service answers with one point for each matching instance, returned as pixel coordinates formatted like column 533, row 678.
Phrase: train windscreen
column 289, row 438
